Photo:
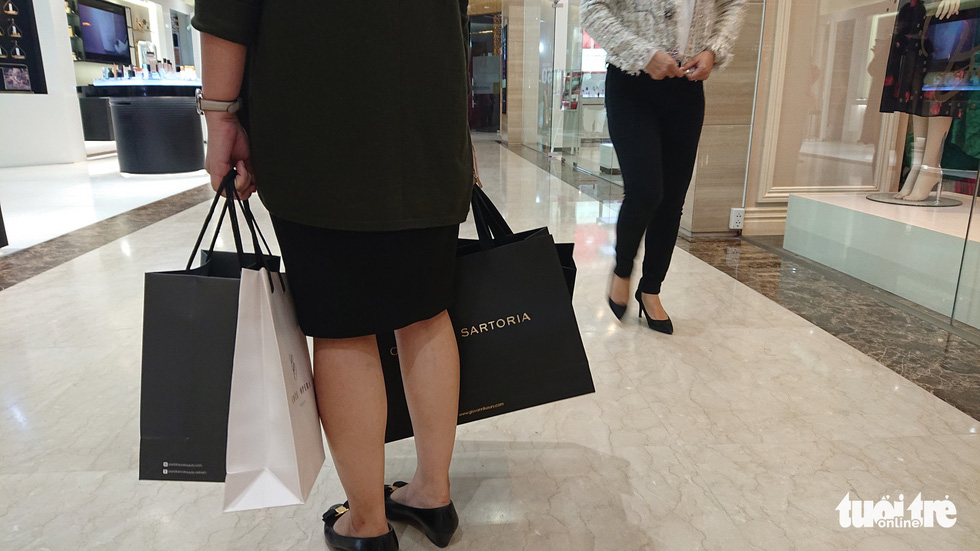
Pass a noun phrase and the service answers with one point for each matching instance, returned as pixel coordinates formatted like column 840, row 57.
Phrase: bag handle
column 253, row 228
column 228, row 187
column 231, row 196
column 495, row 220
column 228, row 208
column 490, row 224
column 204, row 229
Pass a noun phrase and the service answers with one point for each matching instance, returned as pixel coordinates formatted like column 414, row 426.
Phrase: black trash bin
column 157, row 135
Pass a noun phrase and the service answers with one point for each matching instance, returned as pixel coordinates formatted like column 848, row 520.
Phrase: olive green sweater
column 356, row 110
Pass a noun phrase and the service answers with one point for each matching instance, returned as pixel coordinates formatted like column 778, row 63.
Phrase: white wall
column 49, row 126
column 160, row 19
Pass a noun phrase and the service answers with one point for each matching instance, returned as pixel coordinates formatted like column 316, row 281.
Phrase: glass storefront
column 486, row 56
column 834, row 137
column 571, row 109
column 869, row 110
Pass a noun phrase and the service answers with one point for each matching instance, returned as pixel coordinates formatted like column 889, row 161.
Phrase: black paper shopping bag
column 189, row 323
column 519, row 342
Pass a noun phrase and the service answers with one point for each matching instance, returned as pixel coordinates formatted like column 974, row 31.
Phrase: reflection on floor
column 744, row 430
column 598, row 187
column 587, row 158
column 40, row 203
column 938, row 360
column 26, row 263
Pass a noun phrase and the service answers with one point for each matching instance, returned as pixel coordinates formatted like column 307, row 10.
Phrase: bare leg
column 430, row 370
column 931, row 173
column 920, row 129
column 619, row 290
column 654, row 307
column 350, row 391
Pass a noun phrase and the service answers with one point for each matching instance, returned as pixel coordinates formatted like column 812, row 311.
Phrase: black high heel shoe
column 439, row 524
column 384, row 542
column 619, row 310
column 661, row 326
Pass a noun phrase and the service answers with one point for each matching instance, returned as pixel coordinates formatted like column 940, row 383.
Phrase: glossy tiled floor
column 40, row 203
column 744, row 430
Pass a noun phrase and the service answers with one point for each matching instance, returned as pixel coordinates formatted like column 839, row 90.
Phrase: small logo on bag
column 302, row 390
column 493, row 325
column 293, row 364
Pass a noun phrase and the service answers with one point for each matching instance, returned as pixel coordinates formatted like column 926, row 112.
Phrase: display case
column 74, row 30
column 21, row 67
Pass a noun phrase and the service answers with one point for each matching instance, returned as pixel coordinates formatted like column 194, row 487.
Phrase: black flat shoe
column 384, row 542
column 619, row 310
column 661, row 326
column 439, row 524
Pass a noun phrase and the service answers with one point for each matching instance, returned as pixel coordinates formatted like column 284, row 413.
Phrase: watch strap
column 215, row 105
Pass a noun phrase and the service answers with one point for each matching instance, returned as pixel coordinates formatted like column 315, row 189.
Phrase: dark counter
column 157, row 135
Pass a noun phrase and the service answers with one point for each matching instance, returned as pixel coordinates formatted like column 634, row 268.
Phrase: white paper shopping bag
column 275, row 444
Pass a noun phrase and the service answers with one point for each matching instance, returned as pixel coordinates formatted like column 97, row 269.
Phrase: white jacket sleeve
column 601, row 22
column 731, row 14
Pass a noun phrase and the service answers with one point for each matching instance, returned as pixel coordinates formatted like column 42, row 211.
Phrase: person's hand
column 700, row 66
column 948, row 8
column 662, row 66
column 228, row 147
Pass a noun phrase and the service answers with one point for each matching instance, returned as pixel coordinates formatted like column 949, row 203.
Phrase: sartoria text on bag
column 492, row 325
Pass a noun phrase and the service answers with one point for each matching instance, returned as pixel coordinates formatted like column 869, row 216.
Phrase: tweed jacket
column 631, row 31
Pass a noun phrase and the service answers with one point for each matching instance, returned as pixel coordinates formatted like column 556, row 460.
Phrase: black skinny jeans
column 655, row 126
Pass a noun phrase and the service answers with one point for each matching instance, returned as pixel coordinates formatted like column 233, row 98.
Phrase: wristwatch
column 214, row 105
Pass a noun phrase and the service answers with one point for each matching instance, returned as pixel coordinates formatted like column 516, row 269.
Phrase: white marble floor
column 40, row 203
column 744, row 430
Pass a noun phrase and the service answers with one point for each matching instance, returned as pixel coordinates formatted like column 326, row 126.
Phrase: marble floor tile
column 892, row 330
column 743, row 431
column 40, row 203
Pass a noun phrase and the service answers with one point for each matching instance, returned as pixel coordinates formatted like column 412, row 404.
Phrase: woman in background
column 660, row 52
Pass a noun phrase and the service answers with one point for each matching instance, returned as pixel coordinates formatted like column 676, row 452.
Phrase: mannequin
column 916, row 60
column 927, row 148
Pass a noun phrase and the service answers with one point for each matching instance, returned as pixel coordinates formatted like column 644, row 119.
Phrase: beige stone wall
column 719, row 178
column 511, row 127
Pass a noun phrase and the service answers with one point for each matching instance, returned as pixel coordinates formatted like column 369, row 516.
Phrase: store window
column 486, row 56
column 870, row 143
column 571, row 84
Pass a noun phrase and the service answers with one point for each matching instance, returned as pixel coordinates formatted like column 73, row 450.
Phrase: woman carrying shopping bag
column 367, row 172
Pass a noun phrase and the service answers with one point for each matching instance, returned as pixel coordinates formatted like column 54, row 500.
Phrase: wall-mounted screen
column 105, row 36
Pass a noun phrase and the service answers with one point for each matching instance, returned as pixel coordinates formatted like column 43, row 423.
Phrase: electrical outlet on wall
column 737, row 219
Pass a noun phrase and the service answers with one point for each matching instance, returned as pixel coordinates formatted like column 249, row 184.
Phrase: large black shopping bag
column 189, row 325
column 519, row 343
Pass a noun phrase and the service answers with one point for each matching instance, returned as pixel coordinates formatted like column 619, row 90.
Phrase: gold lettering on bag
column 480, row 410
column 499, row 323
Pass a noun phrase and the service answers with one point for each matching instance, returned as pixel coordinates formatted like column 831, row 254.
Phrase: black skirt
column 352, row 284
